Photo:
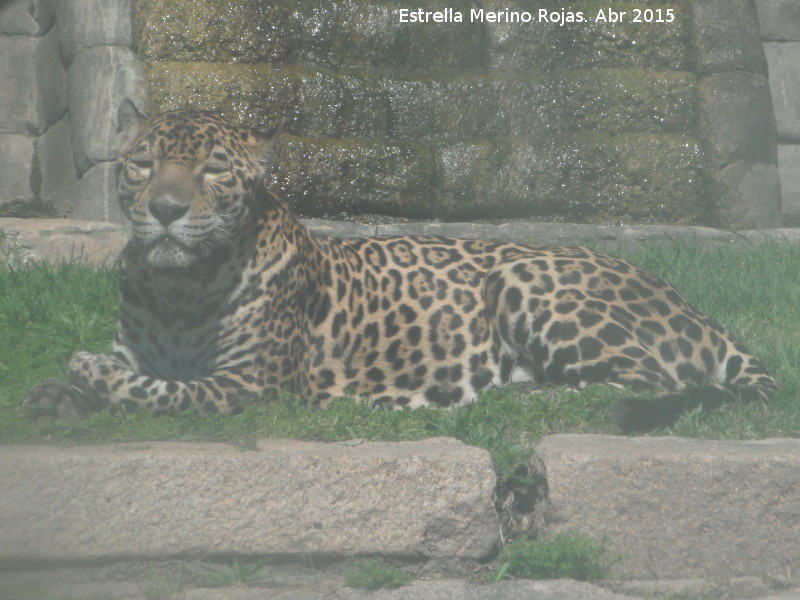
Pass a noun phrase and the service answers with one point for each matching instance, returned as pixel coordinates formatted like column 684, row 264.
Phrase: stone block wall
column 66, row 65
column 604, row 122
column 780, row 30
column 589, row 122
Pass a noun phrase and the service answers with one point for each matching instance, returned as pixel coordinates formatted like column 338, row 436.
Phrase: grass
column 569, row 555
column 48, row 312
column 373, row 575
column 235, row 574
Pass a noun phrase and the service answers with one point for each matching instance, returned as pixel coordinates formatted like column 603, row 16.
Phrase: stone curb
column 98, row 243
column 418, row 500
column 687, row 517
column 59, row 240
column 447, row 589
column 675, row 508
column 444, row 589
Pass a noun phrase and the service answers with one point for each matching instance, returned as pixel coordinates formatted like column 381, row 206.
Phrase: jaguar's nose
column 167, row 209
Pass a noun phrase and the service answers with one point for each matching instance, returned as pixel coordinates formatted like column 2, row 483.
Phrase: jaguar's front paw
column 52, row 399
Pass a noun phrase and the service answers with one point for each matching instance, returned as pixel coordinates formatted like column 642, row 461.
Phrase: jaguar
column 225, row 298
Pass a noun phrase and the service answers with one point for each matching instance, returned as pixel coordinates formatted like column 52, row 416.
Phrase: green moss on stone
column 587, row 123
column 215, row 30
column 544, row 48
column 582, row 178
column 335, row 177
column 628, row 100
column 314, row 32
column 311, row 101
column 363, row 104
column 623, row 179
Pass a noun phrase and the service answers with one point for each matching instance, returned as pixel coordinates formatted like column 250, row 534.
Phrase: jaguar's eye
column 140, row 168
column 214, row 169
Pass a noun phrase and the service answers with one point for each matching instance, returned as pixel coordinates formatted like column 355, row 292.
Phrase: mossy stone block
column 549, row 47
column 325, row 177
column 310, row 101
column 474, row 181
column 628, row 100
column 216, row 30
column 612, row 100
column 591, row 122
column 581, row 178
column 351, row 33
column 428, row 108
column 371, row 35
column 623, row 179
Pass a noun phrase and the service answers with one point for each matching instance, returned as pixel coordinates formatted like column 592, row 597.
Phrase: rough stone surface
column 414, row 499
column 779, row 19
column 676, row 508
column 57, row 167
column 32, row 96
column 544, row 234
column 444, row 137
column 26, row 17
column 439, row 590
column 778, row 235
column 786, row 595
column 789, row 167
column 443, row 589
column 16, row 166
column 727, row 36
column 755, row 190
column 56, row 240
column 784, row 83
column 87, row 23
column 51, row 86
column 98, row 80
column 100, row 242
column 727, row 98
column 554, row 234
column 95, row 198
column 669, row 588
column 17, row 60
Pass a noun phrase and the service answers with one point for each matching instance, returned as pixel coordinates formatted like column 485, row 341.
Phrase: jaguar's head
column 187, row 180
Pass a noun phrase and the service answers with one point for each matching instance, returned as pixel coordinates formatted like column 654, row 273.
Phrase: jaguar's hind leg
column 555, row 335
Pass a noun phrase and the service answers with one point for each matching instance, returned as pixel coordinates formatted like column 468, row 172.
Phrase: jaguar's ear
column 128, row 120
column 267, row 140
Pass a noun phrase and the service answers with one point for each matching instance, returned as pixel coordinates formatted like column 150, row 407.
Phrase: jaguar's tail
column 741, row 378
column 636, row 415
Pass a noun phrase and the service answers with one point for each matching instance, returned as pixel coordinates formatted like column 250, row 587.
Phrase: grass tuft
column 373, row 575
column 235, row 574
column 569, row 555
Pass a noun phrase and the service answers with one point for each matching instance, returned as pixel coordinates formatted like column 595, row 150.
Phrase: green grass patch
column 373, row 575
column 49, row 312
column 235, row 574
column 569, row 555
column 46, row 314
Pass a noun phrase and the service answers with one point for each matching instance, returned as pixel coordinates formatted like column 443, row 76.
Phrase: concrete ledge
column 430, row 499
column 677, row 508
column 56, row 240
column 671, row 508
column 96, row 242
